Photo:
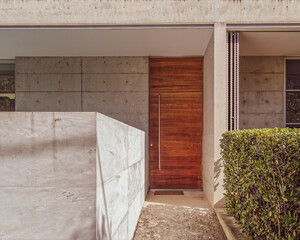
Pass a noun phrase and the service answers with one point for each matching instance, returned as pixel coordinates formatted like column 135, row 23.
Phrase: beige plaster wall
column 261, row 92
column 61, row 12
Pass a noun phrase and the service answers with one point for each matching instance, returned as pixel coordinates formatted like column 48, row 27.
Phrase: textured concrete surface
column 69, row 176
column 48, row 101
column 117, row 65
column 47, row 176
column 120, row 178
column 208, row 122
column 261, row 92
column 62, row 12
column 184, row 217
column 214, row 114
column 115, row 86
column 51, row 82
column 230, row 226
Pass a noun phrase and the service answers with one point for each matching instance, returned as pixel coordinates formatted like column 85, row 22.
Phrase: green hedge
column 262, row 181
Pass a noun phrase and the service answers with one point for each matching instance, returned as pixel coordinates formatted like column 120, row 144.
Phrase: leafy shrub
column 262, row 181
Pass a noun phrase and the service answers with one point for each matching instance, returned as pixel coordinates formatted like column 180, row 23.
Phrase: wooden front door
column 176, row 123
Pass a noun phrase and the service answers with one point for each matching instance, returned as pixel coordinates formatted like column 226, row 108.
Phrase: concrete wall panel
column 48, row 101
column 46, row 213
column 115, row 82
column 45, row 147
column 134, row 212
column 261, row 92
column 115, row 65
column 48, row 82
column 261, row 102
column 137, row 120
column 115, row 86
column 134, row 177
column 115, row 102
column 116, row 192
column 121, row 186
column 261, row 120
column 53, row 186
column 261, row 65
column 122, row 230
column 115, row 150
column 136, row 141
column 48, row 176
column 261, row 82
column 48, row 65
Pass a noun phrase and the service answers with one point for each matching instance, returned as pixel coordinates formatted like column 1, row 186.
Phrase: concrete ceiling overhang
column 270, row 43
column 104, row 42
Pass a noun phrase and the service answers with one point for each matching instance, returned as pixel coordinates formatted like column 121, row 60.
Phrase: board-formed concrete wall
column 115, row 86
column 61, row 12
column 51, row 185
column 120, row 178
column 261, row 92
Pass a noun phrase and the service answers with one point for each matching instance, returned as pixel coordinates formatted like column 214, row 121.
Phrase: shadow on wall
column 218, row 167
column 37, row 148
column 103, row 227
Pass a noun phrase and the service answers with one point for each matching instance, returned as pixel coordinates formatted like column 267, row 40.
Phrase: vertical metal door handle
column 159, row 131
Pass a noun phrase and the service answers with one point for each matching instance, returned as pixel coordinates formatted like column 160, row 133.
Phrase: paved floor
column 187, row 217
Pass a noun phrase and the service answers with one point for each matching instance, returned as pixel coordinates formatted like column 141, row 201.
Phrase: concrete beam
column 139, row 12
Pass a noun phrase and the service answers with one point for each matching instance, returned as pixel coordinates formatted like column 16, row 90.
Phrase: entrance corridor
column 178, row 217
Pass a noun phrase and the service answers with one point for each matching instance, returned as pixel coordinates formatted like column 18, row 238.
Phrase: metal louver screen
column 233, row 81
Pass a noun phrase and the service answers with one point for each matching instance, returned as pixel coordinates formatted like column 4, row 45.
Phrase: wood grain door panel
column 178, row 81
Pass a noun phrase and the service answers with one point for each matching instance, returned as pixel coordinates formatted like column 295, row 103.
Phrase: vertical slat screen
column 233, row 81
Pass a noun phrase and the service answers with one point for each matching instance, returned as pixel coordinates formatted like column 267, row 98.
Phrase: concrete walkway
column 187, row 217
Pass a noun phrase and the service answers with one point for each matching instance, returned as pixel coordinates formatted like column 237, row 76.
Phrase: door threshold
column 184, row 190
column 168, row 193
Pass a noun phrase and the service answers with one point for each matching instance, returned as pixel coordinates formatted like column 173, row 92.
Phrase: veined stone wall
column 69, row 176
column 261, row 92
